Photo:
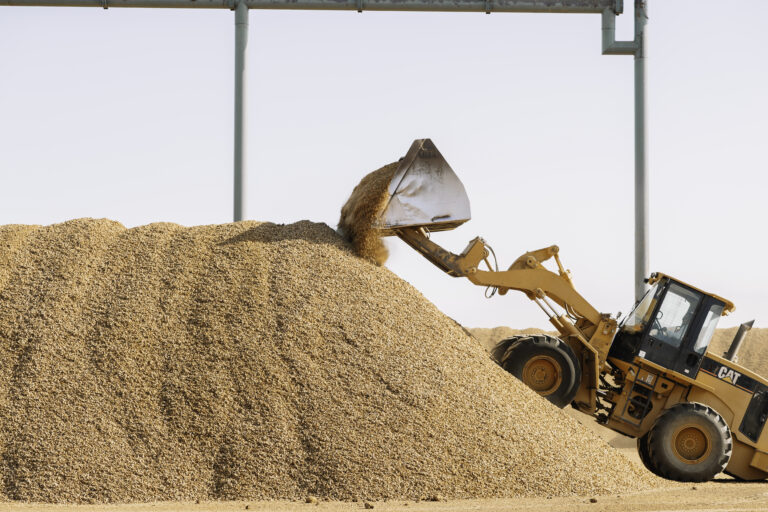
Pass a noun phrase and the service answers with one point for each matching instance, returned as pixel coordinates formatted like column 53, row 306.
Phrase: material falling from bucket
column 361, row 212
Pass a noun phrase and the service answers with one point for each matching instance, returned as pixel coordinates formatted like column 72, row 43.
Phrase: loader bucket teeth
column 424, row 192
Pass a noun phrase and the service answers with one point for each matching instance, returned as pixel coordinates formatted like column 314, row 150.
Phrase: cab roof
column 658, row 276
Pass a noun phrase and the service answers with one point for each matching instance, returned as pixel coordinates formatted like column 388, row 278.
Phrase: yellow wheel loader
column 694, row 414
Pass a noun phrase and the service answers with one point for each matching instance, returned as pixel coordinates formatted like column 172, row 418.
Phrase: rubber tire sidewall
column 644, row 454
column 528, row 348
column 663, row 457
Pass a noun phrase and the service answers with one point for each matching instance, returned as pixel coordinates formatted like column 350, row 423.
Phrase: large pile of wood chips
column 255, row 360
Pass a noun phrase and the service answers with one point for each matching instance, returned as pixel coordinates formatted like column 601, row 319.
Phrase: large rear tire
column 544, row 363
column 690, row 443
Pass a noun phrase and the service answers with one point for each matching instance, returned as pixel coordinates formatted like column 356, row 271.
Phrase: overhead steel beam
column 550, row 6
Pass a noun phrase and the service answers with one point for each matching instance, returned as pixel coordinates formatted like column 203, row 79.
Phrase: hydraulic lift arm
column 527, row 274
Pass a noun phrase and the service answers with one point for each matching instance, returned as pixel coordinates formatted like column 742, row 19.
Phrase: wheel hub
column 542, row 374
column 691, row 444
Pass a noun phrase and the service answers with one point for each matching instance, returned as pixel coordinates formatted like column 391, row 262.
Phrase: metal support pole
column 641, row 163
column 638, row 48
column 241, row 42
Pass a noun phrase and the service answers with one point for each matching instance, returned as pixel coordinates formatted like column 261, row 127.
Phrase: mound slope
column 255, row 361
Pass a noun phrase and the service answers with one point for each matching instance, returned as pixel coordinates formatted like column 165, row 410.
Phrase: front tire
column 544, row 363
column 690, row 443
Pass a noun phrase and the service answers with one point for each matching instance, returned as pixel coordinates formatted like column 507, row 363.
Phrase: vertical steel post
column 641, row 163
column 241, row 42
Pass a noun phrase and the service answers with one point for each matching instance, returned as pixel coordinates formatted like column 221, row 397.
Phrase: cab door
column 699, row 336
column 668, row 332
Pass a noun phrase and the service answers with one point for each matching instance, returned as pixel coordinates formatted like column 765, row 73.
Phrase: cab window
column 636, row 320
column 675, row 315
column 708, row 329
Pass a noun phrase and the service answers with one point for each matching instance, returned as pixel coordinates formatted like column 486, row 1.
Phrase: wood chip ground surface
column 256, row 361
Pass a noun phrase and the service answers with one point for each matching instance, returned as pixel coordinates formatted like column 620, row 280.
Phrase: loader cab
column 671, row 326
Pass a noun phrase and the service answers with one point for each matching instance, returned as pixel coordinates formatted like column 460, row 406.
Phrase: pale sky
column 127, row 114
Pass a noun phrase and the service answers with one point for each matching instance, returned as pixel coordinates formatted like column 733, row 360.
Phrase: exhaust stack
column 733, row 352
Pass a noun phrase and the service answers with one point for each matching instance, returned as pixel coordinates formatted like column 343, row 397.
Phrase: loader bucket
column 424, row 192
